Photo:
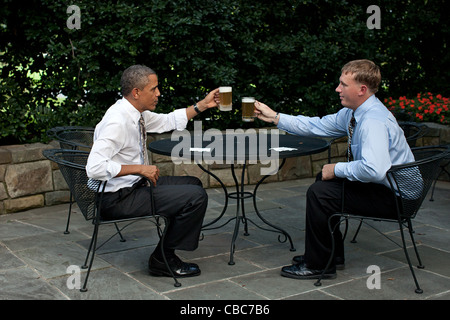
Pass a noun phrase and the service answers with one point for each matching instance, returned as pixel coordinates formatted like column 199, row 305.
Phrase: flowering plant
column 425, row 107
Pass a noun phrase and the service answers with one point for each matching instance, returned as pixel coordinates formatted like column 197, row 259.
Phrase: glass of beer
column 226, row 97
column 248, row 109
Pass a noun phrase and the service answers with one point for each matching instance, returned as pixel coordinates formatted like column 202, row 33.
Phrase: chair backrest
column 413, row 131
column 73, row 137
column 412, row 181
column 72, row 164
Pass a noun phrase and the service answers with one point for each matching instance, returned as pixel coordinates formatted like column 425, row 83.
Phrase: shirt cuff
column 339, row 169
column 280, row 121
column 113, row 169
column 180, row 119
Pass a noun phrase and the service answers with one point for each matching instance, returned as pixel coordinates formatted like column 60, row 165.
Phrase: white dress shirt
column 377, row 143
column 117, row 141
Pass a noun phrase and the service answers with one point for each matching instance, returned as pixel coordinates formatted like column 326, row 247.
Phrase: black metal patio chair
column 74, row 138
column 410, row 184
column 444, row 164
column 413, row 131
column 88, row 193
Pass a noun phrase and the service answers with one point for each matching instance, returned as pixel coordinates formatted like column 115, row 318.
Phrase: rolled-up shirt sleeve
column 160, row 122
column 100, row 165
column 327, row 126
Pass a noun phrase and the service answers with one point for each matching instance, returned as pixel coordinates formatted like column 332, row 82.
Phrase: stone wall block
column 25, row 203
column 57, row 197
column 254, row 173
column 3, row 193
column 165, row 168
column 2, row 172
column 27, row 152
column 226, row 177
column 5, row 155
column 58, row 181
column 296, row 168
column 28, row 178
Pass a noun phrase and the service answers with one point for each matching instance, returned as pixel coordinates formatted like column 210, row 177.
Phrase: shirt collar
column 363, row 108
column 131, row 110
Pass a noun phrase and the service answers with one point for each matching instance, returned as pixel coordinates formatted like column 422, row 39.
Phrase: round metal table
column 234, row 149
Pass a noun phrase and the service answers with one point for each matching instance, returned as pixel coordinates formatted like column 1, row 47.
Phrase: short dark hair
column 365, row 71
column 135, row 77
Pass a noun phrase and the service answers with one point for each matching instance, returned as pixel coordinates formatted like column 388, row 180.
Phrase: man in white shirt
column 377, row 143
column 119, row 156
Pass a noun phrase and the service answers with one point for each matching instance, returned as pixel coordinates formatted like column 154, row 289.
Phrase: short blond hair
column 365, row 72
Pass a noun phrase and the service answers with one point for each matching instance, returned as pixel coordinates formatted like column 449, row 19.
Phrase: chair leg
column 411, row 232
column 68, row 216
column 92, row 247
column 163, row 235
column 346, row 230
column 418, row 289
column 122, row 239
column 432, row 190
column 435, row 180
column 357, row 231
column 333, row 246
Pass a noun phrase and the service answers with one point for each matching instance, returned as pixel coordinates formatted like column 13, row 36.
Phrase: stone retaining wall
column 28, row 180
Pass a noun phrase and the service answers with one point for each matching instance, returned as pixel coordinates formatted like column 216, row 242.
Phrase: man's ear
column 135, row 93
column 363, row 90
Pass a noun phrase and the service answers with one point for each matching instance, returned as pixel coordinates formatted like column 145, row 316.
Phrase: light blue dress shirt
column 378, row 142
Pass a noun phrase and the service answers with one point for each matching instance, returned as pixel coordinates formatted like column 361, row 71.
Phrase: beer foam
column 248, row 100
column 224, row 89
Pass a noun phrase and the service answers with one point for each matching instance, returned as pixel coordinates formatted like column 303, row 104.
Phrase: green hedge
column 287, row 54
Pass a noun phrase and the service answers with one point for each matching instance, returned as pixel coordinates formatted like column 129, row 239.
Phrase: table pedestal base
column 240, row 195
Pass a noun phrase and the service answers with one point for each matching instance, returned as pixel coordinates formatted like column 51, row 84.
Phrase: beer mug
column 226, row 97
column 248, row 109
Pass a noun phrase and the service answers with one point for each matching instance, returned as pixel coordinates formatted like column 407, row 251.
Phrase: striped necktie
column 351, row 127
column 143, row 133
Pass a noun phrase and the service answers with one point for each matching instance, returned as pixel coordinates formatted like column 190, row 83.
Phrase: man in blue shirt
column 377, row 143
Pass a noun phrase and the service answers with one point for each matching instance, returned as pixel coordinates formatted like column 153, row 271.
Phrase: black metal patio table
column 235, row 149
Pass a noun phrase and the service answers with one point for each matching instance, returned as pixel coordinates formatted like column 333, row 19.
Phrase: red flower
column 425, row 107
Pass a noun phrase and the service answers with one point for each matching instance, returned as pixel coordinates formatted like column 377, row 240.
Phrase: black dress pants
column 324, row 198
column 181, row 199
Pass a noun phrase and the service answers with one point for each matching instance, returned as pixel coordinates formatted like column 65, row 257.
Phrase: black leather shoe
column 340, row 262
column 179, row 268
column 301, row 271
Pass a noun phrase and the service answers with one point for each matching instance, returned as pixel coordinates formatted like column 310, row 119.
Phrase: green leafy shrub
column 287, row 54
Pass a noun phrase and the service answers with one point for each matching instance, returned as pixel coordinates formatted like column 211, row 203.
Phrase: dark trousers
column 181, row 199
column 324, row 198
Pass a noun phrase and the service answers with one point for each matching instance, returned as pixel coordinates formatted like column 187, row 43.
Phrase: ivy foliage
column 286, row 53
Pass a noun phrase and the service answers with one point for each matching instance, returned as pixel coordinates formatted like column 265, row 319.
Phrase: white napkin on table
column 283, row 149
column 200, row 149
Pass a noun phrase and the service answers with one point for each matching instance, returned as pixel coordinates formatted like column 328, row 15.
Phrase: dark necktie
column 143, row 140
column 351, row 127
